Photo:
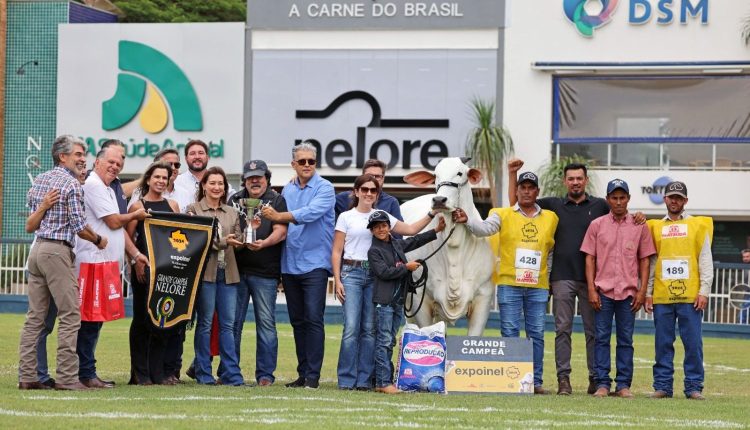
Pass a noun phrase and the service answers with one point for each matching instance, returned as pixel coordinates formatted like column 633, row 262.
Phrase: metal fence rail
column 720, row 308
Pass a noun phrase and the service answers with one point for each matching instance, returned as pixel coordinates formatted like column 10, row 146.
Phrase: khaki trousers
column 51, row 273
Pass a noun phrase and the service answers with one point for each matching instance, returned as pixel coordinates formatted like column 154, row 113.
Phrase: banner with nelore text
column 178, row 247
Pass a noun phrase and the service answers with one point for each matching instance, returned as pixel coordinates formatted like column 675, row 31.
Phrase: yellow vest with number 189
column 678, row 245
column 521, row 248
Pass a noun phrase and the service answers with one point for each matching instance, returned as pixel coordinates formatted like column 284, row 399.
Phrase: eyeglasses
column 368, row 190
column 176, row 165
column 306, row 162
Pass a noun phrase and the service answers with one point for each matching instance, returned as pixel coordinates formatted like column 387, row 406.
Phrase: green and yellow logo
column 146, row 69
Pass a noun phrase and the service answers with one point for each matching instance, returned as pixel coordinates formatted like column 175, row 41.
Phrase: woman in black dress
column 147, row 343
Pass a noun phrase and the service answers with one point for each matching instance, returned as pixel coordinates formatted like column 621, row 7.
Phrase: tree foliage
column 182, row 11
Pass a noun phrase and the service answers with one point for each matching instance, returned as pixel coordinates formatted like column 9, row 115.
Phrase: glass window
column 596, row 154
column 688, row 155
column 660, row 109
column 636, row 155
column 733, row 156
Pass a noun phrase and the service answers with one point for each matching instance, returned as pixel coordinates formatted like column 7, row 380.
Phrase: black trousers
column 147, row 343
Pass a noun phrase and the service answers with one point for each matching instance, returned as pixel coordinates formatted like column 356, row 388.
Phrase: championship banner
column 489, row 365
column 178, row 245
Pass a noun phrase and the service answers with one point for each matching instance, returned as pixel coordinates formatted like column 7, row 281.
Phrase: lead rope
column 412, row 285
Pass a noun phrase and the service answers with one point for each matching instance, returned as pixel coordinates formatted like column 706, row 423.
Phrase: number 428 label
column 528, row 259
column 675, row 269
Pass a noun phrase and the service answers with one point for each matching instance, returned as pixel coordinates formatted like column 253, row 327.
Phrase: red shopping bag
column 100, row 292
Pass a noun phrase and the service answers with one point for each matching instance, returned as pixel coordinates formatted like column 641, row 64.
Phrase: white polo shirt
column 100, row 201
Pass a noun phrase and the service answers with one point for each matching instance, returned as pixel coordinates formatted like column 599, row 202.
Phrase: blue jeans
column 388, row 319
column 532, row 302
column 220, row 298
column 624, row 324
column 263, row 292
column 356, row 363
column 41, row 345
column 306, row 303
column 689, row 321
column 88, row 337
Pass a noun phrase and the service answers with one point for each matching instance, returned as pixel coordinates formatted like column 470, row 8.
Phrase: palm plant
column 551, row 181
column 488, row 145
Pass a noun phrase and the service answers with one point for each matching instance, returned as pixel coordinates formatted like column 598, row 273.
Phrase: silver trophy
column 251, row 209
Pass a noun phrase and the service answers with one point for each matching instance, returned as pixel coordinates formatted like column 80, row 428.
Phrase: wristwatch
column 135, row 258
column 430, row 214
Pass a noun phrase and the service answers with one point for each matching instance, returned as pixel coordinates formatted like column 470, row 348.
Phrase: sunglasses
column 306, row 162
column 368, row 190
column 176, row 165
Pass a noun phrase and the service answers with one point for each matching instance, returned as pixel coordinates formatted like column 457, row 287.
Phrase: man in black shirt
column 568, row 276
column 260, row 269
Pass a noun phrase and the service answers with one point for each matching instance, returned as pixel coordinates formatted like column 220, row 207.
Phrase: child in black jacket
column 389, row 266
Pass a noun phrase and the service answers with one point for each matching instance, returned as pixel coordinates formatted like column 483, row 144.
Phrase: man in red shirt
column 617, row 269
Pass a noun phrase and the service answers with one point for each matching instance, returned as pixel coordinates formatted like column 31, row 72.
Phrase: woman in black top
column 146, row 343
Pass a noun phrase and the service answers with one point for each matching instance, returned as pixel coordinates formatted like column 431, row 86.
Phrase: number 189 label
column 675, row 269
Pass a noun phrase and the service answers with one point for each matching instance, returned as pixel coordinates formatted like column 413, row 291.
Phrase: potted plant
column 488, row 145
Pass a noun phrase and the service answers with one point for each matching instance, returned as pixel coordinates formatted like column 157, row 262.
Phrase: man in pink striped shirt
column 617, row 268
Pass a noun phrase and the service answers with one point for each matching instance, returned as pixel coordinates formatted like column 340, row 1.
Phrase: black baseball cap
column 528, row 177
column 675, row 188
column 254, row 168
column 376, row 217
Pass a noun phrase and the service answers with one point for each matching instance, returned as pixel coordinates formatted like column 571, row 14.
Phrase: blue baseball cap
column 615, row 184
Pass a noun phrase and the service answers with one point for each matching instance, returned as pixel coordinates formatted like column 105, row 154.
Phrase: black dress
column 147, row 343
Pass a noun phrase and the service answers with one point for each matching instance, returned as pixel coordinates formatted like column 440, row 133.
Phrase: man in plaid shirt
column 51, row 269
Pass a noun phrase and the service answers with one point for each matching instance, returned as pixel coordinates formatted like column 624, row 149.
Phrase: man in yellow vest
column 522, row 239
column 681, row 276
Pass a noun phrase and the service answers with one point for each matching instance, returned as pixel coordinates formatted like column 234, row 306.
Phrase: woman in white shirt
column 354, row 284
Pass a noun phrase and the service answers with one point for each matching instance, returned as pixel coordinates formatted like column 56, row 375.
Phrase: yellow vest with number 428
column 522, row 246
column 678, row 246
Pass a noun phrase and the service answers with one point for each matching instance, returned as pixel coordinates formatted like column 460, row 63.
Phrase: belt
column 357, row 263
column 62, row 242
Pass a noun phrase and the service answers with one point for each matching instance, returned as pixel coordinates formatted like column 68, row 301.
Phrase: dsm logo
column 585, row 24
column 143, row 71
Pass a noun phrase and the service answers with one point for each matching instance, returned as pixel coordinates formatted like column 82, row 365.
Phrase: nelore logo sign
column 149, row 65
column 341, row 153
column 153, row 86
column 590, row 15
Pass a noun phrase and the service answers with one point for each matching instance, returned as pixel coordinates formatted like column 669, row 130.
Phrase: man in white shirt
column 186, row 184
column 104, row 217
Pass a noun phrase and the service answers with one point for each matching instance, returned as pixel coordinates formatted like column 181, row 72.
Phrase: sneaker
column 659, row 394
column 601, row 392
column 299, row 382
column 625, row 393
column 311, row 383
column 265, row 382
column 563, row 386
column 696, row 395
column 541, row 391
column 592, row 386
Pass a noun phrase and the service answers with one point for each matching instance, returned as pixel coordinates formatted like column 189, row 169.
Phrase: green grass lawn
column 191, row 406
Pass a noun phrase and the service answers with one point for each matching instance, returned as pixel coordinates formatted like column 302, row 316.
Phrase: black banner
column 178, row 246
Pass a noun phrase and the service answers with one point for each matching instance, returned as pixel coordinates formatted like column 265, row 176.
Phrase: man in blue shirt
column 306, row 259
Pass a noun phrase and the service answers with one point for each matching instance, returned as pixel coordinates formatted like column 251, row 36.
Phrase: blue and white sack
column 421, row 362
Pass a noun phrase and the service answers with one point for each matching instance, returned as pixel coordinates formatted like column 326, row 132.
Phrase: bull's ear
column 475, row 176
column 421, row 178
column 465, row 160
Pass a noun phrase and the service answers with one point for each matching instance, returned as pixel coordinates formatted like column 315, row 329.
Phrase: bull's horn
column 465, row 160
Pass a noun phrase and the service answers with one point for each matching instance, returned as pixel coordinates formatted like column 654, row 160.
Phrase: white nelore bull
column 459, row 281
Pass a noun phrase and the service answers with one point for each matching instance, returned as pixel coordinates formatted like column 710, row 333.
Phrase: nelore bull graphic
column 459, row 281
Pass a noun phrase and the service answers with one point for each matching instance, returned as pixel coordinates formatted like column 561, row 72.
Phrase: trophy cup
column 250, row 208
